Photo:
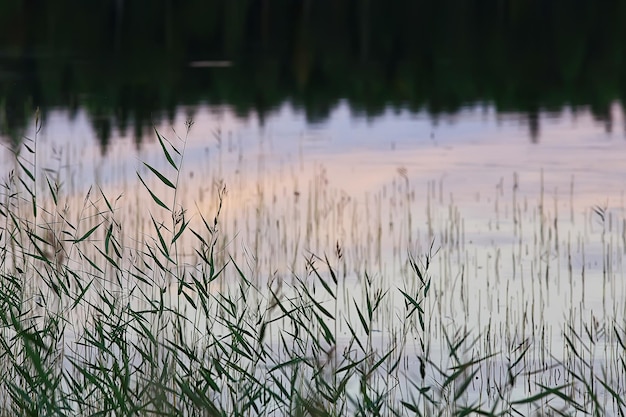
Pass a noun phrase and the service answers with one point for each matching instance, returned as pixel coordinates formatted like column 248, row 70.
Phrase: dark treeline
column 128, row 63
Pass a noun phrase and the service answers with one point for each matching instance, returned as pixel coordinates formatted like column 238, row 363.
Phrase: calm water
column 473, row 184
column 382, row 134
column 522, row 254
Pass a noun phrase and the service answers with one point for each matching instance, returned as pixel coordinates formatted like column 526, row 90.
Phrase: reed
column 168, row 317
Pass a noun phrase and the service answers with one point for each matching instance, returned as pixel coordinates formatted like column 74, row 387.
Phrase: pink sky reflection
column 470, row 161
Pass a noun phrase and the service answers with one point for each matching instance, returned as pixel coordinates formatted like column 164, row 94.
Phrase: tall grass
column 99, row 320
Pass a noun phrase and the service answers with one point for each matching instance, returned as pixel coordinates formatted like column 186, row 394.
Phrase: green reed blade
column 157, row 228
column 52, row 192
column 87, row 234
column 154, row 197
column 162, row 177
column 180, row 231
column 362, row 318
column 165, row 152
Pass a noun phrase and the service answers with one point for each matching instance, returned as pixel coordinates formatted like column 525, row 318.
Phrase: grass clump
column 94, row 322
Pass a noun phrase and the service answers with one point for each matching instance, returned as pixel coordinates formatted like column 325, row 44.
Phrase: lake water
column 500, row 207
column 522, row 252
column 486, row 149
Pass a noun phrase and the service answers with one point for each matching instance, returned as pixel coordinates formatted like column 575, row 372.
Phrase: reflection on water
column 128, row 68
column 360, row 132
column 474, row 185
column 529, row 237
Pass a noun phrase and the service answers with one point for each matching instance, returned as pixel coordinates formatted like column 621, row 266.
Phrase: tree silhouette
column 129, row 65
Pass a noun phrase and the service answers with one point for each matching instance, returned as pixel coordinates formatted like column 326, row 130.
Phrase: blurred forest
column 130, row 64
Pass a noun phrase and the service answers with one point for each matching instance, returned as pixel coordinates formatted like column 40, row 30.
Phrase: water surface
column 363, row 133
